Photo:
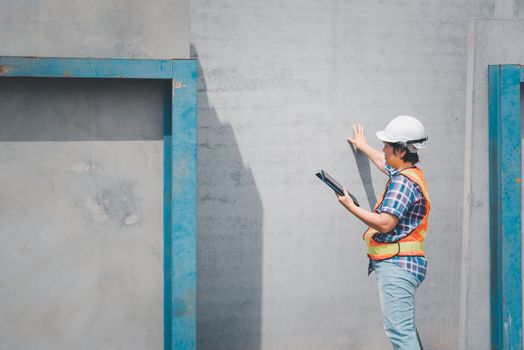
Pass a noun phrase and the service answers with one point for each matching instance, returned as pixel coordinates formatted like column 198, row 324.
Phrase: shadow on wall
column 229, row 258
column 49, row 109
column 364, row 170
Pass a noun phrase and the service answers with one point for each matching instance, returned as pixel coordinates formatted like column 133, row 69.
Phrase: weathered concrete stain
column 107, row 199
column 84, row 167
column 95, row 208
column 131, row 219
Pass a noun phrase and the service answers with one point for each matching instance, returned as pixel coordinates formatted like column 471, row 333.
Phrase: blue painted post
column 183, row 215
column 495, row 208
column 168, row 185
column 505, row 206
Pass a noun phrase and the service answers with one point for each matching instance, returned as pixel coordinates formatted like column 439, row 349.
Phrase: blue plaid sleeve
column 399, row 197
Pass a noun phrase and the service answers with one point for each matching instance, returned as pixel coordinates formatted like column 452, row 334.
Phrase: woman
column 397, row 226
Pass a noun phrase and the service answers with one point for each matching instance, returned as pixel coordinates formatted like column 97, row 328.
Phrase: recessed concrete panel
column 81, row 167
column 491, row 41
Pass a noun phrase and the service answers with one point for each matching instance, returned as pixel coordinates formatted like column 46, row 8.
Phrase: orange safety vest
column 413, row 243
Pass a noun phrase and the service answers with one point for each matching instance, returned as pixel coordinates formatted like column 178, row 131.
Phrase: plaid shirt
column 405, row 200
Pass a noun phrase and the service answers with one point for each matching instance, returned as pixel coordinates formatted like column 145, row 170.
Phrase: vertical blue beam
column 494, row 207
column 168, row 256
column 183, row 199
column 511, row 207
column 505, row 206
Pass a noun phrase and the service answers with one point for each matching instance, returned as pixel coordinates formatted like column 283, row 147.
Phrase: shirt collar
column 392, row 172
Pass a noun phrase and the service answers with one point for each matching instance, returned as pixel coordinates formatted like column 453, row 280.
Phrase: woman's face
column 393, row 159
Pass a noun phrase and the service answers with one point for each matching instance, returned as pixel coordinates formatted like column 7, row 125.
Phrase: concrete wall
column 82, row 173
column 95, row 28
column 491, row 41
column 281, row 264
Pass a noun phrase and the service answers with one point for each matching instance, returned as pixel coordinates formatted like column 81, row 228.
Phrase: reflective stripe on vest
column 413, row 243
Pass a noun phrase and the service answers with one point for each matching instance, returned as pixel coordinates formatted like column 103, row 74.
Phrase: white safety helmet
column 406, row 130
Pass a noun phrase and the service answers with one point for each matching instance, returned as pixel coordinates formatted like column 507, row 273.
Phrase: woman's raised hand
column 358, row 140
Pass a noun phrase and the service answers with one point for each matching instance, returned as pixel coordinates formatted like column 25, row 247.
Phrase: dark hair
column 408, row 157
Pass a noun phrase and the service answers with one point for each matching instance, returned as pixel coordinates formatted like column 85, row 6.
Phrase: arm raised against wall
column 360, row 142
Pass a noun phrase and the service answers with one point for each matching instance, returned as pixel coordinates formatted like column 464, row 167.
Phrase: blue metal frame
column 180, row 153
column 505, row 205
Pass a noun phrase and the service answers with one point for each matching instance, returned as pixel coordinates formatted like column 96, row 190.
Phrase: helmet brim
column 382, row 136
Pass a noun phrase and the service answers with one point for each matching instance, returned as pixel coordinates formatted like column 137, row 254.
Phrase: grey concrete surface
column 509, row 8
column 491, row 41
column 95, row 28
column 281, row 264
column 520, row 8
column 81, row 168
column 506, row 8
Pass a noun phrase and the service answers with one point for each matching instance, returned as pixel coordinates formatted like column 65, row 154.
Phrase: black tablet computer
column 335, row 186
